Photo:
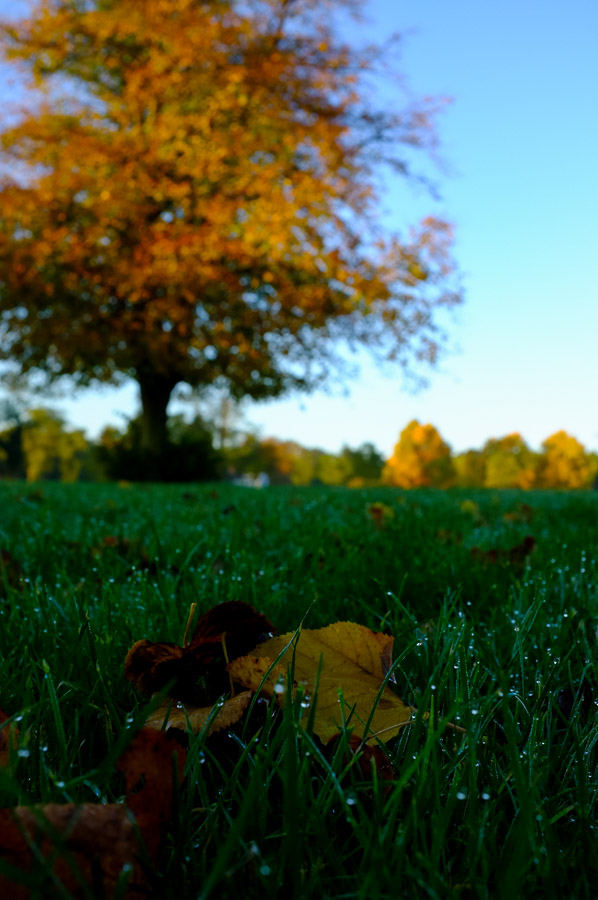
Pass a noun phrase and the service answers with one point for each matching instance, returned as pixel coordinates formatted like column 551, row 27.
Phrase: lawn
column 494, row 633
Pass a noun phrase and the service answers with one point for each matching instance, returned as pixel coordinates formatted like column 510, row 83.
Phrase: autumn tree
column 365, row 464
column 564, row 463
column 421, row 458
column 194, row 198
column 50, row 450
column 509, row 463
column 470, row 468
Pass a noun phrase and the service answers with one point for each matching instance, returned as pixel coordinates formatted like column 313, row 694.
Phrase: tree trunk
column 155, row 390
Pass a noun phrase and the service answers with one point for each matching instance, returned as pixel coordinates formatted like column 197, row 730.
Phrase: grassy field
column 496, row 640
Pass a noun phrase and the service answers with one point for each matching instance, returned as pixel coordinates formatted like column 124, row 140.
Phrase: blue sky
column 520, row 145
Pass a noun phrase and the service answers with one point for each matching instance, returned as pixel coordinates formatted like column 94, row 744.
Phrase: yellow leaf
column 354, row 662
column 229, row 713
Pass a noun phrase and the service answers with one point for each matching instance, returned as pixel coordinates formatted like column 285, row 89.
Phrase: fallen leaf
column 149, row 758
column 199, row 669
column 354, row 663
column 515, row 556
column 380, row 513
column 168, row 715
column 523, row 512
column 9, row 739
column 90, row 845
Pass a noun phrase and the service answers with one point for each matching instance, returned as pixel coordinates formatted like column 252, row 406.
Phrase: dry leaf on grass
column 514, row 557
column 169, row 715
column 199, row 669
column 354, row 663
column 9, row 739
column 91, row 844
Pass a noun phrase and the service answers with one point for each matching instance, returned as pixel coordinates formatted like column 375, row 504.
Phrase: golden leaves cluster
column 219, row 167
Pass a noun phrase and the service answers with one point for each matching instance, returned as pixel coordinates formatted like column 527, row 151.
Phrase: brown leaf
column 380, row 513
column 91, row 842
column 515, row 556
column 354, row 662
column 522, row 513
column 150, row 665
column 149, row 757
column 223, row 633
column 9, row 739
column 96, row 842
column 229, row 713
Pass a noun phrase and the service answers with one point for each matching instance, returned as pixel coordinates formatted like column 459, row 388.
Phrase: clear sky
column 520, row 145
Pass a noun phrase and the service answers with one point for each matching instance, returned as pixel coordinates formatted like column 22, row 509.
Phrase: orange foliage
column 420, row 459
column 201, row 202
column 509, row 463
column 565, row 463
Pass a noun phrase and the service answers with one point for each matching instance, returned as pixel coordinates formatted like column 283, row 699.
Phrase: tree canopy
column 421, row 458
column 194, row 197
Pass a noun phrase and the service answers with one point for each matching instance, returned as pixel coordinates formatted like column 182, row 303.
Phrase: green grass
column 506, row 810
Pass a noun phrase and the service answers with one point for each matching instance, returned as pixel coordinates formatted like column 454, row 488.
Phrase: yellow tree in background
column 470, row 468
column 50, row 451
column 195, row 197
column 509, row 463
column 565, row 463
column 420, row 459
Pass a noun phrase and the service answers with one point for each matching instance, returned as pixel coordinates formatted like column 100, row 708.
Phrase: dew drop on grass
column 265, row 870
column 485, row 796
column 279, row 688
column 23, row 753
column 461, row 795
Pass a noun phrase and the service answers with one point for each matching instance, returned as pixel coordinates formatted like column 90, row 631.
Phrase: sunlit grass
column 505, row 809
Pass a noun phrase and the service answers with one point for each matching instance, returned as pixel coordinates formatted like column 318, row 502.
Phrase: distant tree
column 12, row 461
column 420, row 459
column 189, row 454
column 564, row 463
column 509, row 463
column 470, row 468
column 365, row 464
column 51, row 451
column 195, row 197
column 331, row 469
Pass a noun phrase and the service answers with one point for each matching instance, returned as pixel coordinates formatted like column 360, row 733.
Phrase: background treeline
column 38, row 445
